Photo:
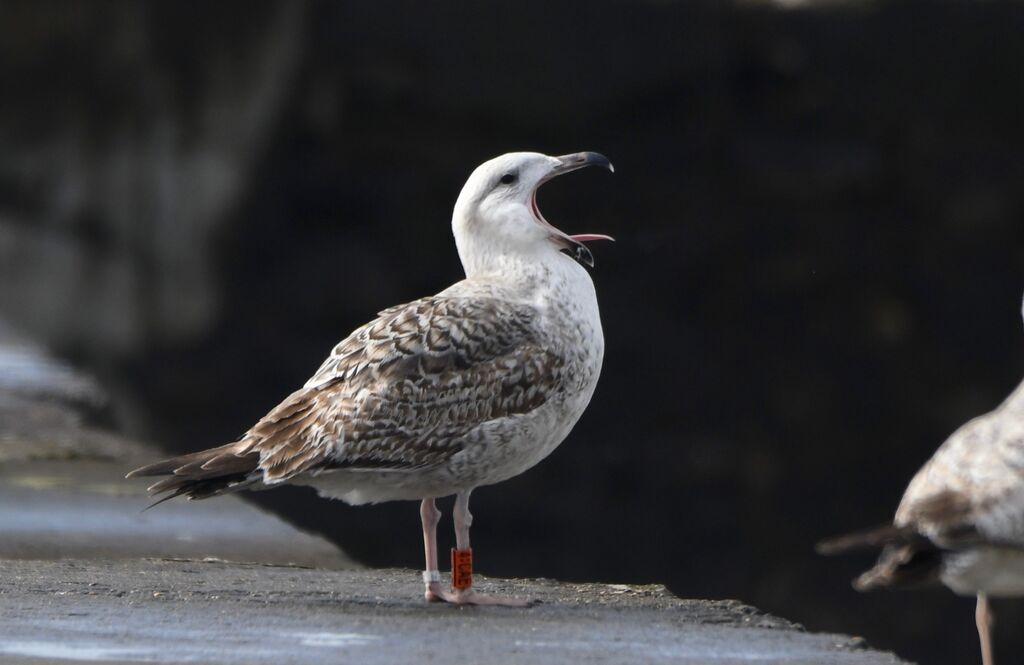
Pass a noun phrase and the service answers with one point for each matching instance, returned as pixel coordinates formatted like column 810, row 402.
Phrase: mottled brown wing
column 972, row 490
column 405, row 391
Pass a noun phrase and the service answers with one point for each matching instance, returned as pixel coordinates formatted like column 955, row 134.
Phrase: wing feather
column 404, row 391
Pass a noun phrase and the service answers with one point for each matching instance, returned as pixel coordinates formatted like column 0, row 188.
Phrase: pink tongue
column 584, row 237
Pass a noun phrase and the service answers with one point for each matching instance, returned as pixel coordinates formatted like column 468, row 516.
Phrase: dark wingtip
column 155, row 469
column 865, row 582
column 161, row 500
column 834, row 545
column 879, row 536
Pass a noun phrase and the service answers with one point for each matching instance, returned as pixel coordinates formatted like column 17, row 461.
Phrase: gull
column 444, row 394
column 961, row 519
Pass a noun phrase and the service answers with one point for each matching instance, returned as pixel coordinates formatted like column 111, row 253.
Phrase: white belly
column 998, row 572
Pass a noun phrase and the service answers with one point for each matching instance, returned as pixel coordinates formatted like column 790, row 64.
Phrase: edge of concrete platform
column 222, row 612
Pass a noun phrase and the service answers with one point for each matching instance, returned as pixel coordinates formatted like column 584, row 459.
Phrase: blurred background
column 818, row 273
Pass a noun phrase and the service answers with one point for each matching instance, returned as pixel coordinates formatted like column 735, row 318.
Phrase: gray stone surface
column 86, row 509
column 153, row 610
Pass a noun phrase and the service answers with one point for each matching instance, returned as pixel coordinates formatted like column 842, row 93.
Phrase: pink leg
column 463, row 520
column 984, row 619
column 430, row 516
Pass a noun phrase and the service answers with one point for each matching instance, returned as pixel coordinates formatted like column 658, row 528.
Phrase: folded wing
column 402, row 392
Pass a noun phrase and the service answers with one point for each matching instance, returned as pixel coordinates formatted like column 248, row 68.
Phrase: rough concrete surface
column 165, row 611
column 85, row 508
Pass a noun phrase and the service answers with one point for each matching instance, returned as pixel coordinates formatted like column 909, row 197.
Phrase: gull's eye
column 508, row 179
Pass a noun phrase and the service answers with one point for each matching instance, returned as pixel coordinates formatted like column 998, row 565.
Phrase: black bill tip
column 578, row 160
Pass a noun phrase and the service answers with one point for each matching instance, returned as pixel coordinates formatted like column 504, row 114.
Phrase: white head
column 496, row 217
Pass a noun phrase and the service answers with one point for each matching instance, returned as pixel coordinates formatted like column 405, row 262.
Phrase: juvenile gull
column 961, row 520
column 444, row 394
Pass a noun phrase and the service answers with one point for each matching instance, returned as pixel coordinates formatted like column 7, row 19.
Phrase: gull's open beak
column 578, row 160
column 573, row 243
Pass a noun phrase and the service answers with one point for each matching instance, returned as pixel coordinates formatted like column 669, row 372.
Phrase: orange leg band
column 462, row 568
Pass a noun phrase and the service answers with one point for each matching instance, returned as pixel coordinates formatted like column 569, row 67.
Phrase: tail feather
column 202, row 474
column 169, row 465
column 873, row 538
column 902, row 567
column 908, row 559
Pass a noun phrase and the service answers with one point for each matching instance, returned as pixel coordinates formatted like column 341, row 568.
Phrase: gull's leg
column 984, row 618
column 463, row 521
column 434, row 592
column 430, row 516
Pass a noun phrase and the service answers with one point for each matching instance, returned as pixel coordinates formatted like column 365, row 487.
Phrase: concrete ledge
column 86, row 509
column 168, row 611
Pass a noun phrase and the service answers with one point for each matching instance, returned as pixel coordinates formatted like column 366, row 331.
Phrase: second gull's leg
column 983, row 617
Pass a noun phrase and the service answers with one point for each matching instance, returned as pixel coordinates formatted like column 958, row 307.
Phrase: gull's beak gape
column 573, row 243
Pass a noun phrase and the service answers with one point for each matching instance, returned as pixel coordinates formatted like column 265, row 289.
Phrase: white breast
column 571, row 324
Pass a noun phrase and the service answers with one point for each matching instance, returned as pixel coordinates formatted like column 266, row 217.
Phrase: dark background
column 818, row 273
